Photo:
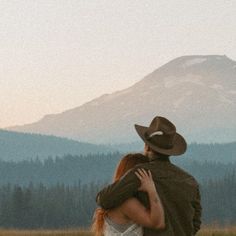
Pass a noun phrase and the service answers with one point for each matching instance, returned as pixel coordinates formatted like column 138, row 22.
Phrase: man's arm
column 115, row 194
column 198, row 211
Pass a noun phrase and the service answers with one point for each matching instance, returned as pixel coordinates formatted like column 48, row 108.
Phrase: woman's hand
column 153, row 217
column 145, row 177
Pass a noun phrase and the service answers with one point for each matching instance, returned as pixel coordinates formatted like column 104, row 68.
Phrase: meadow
column 45, row 233
column 214, row 231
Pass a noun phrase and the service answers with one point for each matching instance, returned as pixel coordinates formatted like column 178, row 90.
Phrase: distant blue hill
column 16, row 146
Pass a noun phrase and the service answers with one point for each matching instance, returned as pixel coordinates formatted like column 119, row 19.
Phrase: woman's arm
column 117, row 193
column 133, row 209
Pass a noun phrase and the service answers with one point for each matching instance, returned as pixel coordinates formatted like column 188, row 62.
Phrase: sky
column 58, row 54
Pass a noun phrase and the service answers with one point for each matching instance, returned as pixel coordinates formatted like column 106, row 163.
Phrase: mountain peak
column 194, row 60
column 192, row 65
column 206, row 57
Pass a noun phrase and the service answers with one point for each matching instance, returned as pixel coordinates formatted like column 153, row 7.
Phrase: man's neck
column 157, row 156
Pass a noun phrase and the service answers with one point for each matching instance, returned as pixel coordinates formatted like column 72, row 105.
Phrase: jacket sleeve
column 115, row 194
column 198, row 211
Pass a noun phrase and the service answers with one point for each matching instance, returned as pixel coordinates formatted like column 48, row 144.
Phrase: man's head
column 150, row 153
column 161, row 138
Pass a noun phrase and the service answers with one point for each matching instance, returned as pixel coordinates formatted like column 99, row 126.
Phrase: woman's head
column 127, row 163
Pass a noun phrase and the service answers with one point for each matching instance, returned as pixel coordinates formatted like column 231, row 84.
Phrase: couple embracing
column 150, row 195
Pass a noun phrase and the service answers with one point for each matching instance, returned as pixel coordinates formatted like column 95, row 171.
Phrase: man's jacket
column 178, row 190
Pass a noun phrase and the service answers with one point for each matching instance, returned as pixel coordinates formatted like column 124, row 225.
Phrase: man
column 178, row 190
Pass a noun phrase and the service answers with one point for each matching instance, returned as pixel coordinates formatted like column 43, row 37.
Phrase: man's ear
column 147, row 148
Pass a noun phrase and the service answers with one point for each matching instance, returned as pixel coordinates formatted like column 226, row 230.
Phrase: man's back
column 177, row 189
column 180, row 197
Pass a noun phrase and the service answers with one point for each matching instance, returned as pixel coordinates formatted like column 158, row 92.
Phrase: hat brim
column 179, row 145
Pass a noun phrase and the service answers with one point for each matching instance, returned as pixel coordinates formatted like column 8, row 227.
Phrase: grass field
column 44, row 233
column 231, row 231
column 204, row 232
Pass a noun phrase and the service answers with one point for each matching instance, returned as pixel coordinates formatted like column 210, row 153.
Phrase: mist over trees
column 15, row 146
column 100, row 167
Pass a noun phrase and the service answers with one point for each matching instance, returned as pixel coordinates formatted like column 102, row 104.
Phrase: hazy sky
column 56, row 55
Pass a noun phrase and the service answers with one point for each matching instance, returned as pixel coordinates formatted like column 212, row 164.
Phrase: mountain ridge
column 18, row 146
column 191, row 88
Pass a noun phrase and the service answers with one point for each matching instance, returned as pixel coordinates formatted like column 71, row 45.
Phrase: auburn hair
column 125, row 164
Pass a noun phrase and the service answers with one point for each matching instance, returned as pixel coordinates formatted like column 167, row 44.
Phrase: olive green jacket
column 178, row 190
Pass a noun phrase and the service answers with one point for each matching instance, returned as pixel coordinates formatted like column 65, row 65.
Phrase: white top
column 113, row 229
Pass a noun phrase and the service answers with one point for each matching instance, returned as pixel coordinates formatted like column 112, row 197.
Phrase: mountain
column 197, row 93
column 16, row 146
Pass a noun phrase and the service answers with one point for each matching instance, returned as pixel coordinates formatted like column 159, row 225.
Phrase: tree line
column 38, row 206
column 65, row 206
column 87, row 168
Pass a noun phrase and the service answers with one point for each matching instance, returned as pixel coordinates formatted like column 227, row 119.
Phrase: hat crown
column 161, row 124
column 161, row 132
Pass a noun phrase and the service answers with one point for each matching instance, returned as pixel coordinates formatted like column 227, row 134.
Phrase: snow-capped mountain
column 197, row 93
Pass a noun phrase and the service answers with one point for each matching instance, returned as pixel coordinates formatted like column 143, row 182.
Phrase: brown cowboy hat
column 161, row 136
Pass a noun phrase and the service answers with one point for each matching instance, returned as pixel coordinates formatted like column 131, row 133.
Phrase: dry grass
column 45, row 233
column 217, row 231
column 231, row 231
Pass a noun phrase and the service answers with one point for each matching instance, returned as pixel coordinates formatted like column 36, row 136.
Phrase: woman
column 129, row 217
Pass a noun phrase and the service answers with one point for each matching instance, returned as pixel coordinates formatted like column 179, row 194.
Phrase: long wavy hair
column 126, row 163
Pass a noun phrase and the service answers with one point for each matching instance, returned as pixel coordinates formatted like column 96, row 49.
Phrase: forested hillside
column 62, row 206
column 60, row 192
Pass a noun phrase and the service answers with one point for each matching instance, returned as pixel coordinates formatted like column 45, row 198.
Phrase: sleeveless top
column 113, row 229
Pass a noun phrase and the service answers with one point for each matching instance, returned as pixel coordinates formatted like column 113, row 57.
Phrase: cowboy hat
column 161, row 136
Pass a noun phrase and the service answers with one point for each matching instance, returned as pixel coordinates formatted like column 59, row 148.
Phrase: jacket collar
column 159, row 158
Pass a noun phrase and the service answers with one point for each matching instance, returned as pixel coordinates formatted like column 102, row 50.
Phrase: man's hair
column 152, row 153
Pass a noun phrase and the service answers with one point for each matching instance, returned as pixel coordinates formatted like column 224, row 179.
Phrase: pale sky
column 56, row 55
